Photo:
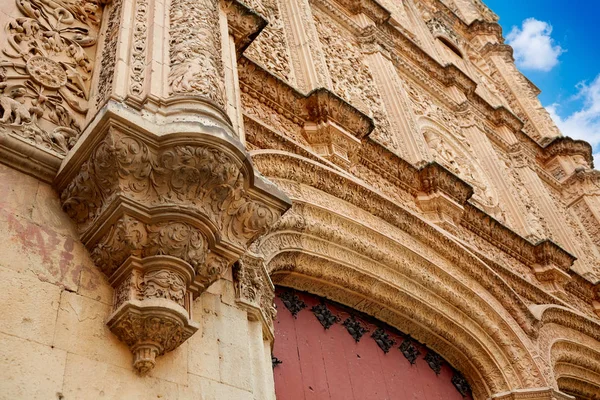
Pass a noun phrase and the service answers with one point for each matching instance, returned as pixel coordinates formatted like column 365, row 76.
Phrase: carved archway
column 570, row 342
column 346, row 242
column 324, row 350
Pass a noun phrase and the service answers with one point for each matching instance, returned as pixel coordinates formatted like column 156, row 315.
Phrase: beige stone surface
column 81, row 329
column 207, row 389
column 29, row 307
column 85, row 379
column 29, row 370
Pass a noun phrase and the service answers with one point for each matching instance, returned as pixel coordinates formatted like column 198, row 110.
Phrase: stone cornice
column 403, row 175
column 378, row 13
column 480, row 27
column 319, row 106
column 431, row 178
column 566, row 146
column 435, row 178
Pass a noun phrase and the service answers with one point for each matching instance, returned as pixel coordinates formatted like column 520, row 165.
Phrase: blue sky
column 557, row 46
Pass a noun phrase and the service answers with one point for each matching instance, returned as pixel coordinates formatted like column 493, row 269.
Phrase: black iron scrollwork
column 409, row 350
column 275, row 361
column 434, row 360
column 292, row 302
column 355, row 328
column 324, row 315
column 461, row 384
column 383, row 340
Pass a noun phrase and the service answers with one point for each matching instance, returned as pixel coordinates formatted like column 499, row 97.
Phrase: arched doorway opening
column 327, row 351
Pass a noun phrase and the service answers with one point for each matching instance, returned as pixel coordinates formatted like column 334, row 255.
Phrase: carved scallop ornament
column 163, row 218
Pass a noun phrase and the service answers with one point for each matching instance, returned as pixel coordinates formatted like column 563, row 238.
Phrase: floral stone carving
column 164, row 219
column 46, row 66
column 255, row 291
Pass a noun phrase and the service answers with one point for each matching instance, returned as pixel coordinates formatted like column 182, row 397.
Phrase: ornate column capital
column 164, row 210
column 254, row 291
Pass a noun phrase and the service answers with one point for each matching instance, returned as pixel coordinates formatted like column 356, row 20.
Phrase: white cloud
column 534, row 49
column 585, row 123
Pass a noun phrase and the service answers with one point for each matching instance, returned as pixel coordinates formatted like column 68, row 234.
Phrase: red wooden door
column 324, row 357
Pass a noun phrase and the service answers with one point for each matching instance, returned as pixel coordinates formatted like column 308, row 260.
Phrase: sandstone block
column 81, row 329
column 30, row 370
column 29, row 307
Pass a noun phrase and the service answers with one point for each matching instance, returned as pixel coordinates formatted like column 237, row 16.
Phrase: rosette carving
column 164, row 219
column 46, row 67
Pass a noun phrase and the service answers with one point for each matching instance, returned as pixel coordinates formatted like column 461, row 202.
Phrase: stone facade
column 166, row 162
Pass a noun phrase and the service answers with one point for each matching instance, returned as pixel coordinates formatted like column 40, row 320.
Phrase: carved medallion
column 409, row 350
column 355, row 328
column 325, row 317
column 434, row 361
column 46, row 72
column 292, row 302
column 383, row 340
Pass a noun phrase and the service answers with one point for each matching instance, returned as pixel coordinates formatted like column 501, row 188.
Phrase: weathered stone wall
column 158, row 142
column 54, row 341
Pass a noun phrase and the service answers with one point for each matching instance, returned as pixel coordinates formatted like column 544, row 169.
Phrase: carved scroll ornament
column 46, row 68
column 163, row 221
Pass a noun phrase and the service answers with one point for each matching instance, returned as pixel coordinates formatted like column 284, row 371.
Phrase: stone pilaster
column 163, row 193
column 402, row 119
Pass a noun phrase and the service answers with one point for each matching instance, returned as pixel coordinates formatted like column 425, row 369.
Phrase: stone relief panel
column 271, row 48
column 351, row 77
column 46, row 66
column 108, row 58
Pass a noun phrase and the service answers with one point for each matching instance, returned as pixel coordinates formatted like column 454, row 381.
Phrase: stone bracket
column 164, row 210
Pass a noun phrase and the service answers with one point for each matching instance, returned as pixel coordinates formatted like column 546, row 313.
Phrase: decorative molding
column 163, row 218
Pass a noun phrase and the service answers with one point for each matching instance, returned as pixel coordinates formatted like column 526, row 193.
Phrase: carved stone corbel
column 163, row 217
column 335, row 128
column 552, row 265
column 244, row 23
column 442, row 195
column 254, row 291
